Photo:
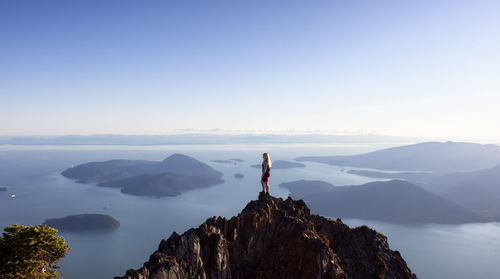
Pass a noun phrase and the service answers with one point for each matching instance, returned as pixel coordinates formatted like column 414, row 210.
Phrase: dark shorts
column 265, row 177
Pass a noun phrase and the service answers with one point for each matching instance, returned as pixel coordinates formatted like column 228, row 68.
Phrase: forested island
column 176, row 174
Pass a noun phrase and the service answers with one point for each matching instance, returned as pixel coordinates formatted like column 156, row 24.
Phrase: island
column 282, row 164
column 84, row 223
column 161, row 185
column 3, row 189
column 239, row 175
column 436, row 157
column 230, row 161
column 176, row 174
column 222, row 161
column 392, row 201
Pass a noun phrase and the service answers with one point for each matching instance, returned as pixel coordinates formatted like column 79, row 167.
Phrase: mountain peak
column 274, row 238
column 178, row 156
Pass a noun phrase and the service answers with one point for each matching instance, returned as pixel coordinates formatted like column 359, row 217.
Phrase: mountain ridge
column 274, row 238
column 394, row 201
column 442, row 157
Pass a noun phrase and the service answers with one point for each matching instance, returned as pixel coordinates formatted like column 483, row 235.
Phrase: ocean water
column 32, row 173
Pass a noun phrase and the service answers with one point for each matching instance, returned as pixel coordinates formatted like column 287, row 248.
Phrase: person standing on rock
column 266, row 172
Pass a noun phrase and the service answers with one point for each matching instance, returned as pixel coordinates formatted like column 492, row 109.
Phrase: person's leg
column 267, row 187
column 263, row 185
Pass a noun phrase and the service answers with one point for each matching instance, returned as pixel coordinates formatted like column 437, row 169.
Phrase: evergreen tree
column 30, row 252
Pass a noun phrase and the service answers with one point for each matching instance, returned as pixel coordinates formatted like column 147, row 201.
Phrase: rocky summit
column 274, row 238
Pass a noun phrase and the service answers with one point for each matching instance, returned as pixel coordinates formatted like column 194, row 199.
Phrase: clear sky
column 423, row 68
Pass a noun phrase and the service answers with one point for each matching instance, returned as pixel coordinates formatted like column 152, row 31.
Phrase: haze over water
column 33, row 174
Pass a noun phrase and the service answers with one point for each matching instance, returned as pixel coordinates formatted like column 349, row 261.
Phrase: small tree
column 28, row 252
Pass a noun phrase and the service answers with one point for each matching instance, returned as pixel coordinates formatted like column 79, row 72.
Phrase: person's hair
column 267, row 159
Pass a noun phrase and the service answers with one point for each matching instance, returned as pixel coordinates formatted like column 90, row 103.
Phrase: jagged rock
column 274, row 238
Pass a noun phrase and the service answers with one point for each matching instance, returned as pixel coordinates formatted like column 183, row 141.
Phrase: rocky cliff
column 274, row 238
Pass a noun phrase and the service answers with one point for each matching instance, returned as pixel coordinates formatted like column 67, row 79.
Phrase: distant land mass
column 3, row 189
column 282, row 164
column 95, row 172
column 239, row 175
column 198, row 138
column 477, row 190
column 230, row 161
column 422, row 178
column 393, row 201
column 176, row 174
column 161, row 185
column 274, row 238
column 428, row 156
column 83, row 223
column 222, row 161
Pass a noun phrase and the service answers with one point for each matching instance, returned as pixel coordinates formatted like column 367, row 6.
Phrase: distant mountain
column 429, row 156
column 3, row 189
column 305, row 188
column 421, row 178
column 282, row 164
column 274, row 238
column 176, row 174
column 96, row 172
column 478, row 190
column 239, row 175
column 161, row 185
column 83, row 223
column 392, row 201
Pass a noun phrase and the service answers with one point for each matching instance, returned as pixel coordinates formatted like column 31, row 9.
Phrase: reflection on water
column 432, row 251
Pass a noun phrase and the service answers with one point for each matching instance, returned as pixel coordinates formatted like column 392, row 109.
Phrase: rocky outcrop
column 274, row 238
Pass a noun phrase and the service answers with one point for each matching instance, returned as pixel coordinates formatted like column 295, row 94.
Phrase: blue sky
column 408, row 68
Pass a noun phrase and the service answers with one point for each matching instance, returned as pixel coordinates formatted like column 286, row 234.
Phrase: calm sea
column 32, row 173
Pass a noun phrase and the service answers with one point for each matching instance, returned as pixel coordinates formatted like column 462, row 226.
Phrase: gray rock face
column 274, row 238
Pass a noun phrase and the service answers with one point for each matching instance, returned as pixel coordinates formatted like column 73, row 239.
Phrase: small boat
column 13, row 196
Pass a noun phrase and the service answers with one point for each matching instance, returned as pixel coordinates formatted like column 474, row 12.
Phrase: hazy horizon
column 413, row 69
